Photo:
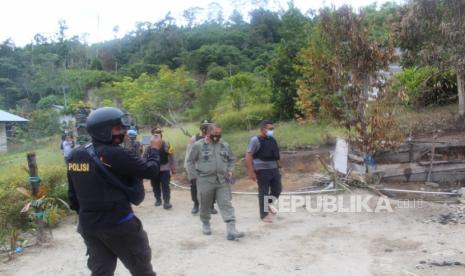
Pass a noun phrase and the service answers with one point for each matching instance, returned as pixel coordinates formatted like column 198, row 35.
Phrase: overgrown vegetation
column 14, row 179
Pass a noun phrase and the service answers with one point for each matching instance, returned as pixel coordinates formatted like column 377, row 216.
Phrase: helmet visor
column 125, row 121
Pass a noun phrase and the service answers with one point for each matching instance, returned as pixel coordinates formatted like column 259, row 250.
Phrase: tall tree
column 283, row 73
column 342, row 70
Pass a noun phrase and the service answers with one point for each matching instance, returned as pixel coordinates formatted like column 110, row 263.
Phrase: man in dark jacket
column 106, row 219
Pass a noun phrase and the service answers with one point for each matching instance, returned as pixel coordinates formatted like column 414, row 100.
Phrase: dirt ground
column 403, row 242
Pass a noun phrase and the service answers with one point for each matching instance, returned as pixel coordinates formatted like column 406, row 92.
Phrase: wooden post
column 34, row 181
column 33, row 171
column 433, row 151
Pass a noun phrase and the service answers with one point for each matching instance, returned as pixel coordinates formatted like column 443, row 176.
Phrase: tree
column 283, row 73
column 342, row 76
column 432, row 33
column 209, row 96
column 151, row 97
column 191, row 15
column 248, row 89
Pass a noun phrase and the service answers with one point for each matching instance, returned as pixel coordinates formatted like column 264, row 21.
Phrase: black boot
column 195, row 209
column 213, row 211
column 167, row 205
column 158, row 202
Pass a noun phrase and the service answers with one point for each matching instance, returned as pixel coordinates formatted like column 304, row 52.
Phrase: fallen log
column 443, row 172
column 419, row 192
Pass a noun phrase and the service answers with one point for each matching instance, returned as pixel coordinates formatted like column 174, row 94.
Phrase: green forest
column 284, row 65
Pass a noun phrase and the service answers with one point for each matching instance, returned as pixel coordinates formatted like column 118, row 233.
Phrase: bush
column 11, row 218
column 247, row 118
column 47, row 102
column 425, row 86
column 216, row 73
column 43, row 123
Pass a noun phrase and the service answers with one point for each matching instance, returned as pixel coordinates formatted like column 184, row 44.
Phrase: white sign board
column 340, row 157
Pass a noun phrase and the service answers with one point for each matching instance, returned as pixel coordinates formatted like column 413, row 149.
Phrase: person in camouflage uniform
column 203, row 132
column 211, row 163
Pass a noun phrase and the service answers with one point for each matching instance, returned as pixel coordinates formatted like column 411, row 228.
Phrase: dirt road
column 403, row 242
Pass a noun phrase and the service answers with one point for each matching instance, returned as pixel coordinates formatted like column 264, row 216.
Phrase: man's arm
column 231, row 161
column 123, row 162
column 190, row 162
column 251, row 149
column 188, row 150
column 73, row 201
column 249, row 166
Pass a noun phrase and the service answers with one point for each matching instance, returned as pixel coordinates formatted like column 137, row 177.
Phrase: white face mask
column 269, row 133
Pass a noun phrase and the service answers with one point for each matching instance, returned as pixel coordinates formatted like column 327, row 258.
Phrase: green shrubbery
column 11, row 218
column 247, row 118
column 425, row 86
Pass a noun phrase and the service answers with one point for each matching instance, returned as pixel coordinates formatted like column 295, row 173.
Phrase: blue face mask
column 269, row 133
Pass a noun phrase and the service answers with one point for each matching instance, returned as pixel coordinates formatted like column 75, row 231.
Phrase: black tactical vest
column 269, row 150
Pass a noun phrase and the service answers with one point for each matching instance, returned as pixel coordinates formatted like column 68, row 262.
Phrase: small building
column 5, row 118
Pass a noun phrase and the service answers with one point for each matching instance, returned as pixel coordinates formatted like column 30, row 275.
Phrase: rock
column 388, row 250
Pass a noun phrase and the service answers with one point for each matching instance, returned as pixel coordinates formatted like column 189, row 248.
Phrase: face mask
column 215, row 138
column 117, row 139
column 269, row 133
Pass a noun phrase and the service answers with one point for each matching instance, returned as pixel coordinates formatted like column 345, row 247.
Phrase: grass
column 16, row 163
column 428, row 119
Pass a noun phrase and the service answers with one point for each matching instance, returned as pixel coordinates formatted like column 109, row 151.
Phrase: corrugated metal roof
column 8, row 117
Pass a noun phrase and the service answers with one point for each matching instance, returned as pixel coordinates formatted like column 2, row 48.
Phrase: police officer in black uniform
column 106, row 219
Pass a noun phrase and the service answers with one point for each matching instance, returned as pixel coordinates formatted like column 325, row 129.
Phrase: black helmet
column 101, row 121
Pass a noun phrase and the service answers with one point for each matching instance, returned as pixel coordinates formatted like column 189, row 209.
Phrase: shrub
column 425, row 86
column 11, row 218
column 247, row 118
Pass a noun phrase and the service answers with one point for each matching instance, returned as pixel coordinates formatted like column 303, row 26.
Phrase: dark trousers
column 195, row 196
column 161, row 185
column 194, row 192
column 127, row 241
column 269, row 183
